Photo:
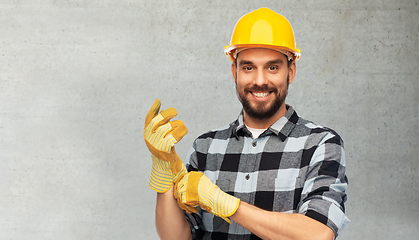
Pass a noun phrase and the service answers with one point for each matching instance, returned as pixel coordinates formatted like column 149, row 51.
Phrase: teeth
column 260, row 94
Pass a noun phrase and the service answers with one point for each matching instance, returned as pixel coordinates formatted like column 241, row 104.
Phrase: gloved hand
column 160, row 135
column 197, row 189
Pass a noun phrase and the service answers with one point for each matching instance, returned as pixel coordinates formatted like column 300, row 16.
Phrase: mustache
column 260, row 89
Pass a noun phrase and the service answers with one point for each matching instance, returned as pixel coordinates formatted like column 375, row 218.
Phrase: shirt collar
column 282, row 128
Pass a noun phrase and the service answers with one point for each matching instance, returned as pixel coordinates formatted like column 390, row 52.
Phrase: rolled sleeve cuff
column 332, row 215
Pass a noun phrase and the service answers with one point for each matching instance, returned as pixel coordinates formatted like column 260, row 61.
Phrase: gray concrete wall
column 77, row 78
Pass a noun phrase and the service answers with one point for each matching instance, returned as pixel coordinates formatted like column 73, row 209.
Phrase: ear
column 292, row 71
column 234, row 71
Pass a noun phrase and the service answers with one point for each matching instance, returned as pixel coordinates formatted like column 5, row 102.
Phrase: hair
column 289, row 62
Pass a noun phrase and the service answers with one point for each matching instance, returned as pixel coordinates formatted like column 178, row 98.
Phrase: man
column 268, row 175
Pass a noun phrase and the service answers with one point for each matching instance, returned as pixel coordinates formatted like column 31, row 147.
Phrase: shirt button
column 247, row 177
column 254, row 144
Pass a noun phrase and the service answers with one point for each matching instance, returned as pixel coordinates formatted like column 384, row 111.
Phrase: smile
column 260, row 94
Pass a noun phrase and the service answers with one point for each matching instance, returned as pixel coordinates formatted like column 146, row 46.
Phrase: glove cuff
column 216, row 201
column 225, row 204
column 160, row 180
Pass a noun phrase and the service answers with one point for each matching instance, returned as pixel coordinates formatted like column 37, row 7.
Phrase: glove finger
column 181, row 201
column 180, row 187
column 165, row 136
column 167, row 115
column 163, row 118
column 179, row 129
column 187, row 208
column 154, row 110
column 180, row 194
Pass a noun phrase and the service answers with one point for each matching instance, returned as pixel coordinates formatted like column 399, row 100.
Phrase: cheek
column 246, row 76
column 241, row 78
column 242, row 82
column 281, row 82
column 240, row 87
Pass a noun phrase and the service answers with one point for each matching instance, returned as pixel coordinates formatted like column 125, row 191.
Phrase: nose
column 260, row 78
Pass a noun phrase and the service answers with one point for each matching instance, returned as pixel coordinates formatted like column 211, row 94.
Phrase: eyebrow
column 277, row 61
column 244, row 62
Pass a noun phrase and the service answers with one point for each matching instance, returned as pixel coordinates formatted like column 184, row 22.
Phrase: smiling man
column 270, row 174
column 262, row 77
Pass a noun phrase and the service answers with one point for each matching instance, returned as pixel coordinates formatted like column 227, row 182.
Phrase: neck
column 265, row 122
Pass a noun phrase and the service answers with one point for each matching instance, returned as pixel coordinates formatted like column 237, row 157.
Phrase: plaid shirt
column 295, row 166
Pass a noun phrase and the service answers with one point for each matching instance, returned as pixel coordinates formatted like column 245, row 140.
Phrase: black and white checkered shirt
column 295, row 166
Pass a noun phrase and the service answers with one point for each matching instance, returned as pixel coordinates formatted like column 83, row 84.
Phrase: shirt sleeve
column 324, row 191
column 192, row 164
column 195, row 223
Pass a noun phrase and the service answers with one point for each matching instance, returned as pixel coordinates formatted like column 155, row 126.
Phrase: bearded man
column 270, row 174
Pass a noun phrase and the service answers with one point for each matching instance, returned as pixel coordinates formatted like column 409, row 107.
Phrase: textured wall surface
column 77, row 78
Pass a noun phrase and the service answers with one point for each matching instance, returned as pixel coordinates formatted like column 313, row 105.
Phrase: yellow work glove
column 160, row 135
column 197, row 189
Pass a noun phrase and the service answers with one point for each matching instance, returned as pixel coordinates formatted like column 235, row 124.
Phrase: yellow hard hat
column 263, row 28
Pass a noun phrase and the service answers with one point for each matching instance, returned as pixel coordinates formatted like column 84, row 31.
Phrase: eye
column 273, row 68
column 248, row 68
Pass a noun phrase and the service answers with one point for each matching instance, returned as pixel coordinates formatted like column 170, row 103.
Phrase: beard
column 262, row 110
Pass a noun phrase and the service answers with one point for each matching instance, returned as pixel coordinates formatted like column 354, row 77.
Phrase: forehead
column 260, row 55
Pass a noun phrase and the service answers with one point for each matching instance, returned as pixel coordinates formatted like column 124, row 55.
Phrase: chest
column 259, row 171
